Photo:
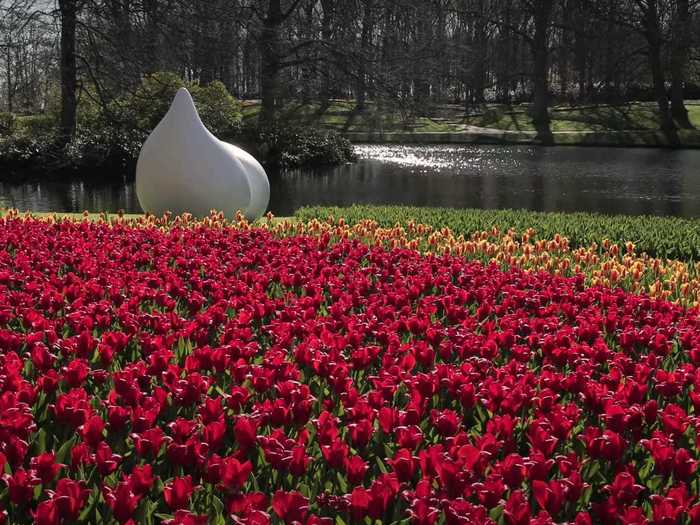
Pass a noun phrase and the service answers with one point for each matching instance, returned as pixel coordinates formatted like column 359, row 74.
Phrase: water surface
column 607, row 180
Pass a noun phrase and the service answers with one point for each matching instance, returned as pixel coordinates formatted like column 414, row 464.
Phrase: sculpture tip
column 183, row 97
column 183, row 105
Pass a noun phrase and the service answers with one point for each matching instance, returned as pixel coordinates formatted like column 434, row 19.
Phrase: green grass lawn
column 342, row 116
column 636, row 116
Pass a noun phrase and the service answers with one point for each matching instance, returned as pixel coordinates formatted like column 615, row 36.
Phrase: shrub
column 668, row 237
column 143, row 109
column 293, row 147
column 8, row 123
column 115, row 148
column 105, row 150
column 112, row 137
column 20, row 151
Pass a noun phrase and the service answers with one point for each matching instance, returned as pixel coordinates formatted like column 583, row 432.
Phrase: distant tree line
column 404, row 54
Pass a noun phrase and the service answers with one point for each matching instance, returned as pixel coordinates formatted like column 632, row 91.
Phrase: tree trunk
column 580, row 50
column 69, row 76
column 540, row 49
column 564, row 49
column 270, row 64
column 508, row 44
column 421, row 66
column 679, row 62
column 152, row 58
column 653, row 35
column 327, row 87
column 8, row 78
column 308, row 69
column 441, row 87
column 365, row 40
column 481, row 49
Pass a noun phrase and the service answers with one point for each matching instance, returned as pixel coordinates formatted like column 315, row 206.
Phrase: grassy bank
column 633, row 124
column 666, row 237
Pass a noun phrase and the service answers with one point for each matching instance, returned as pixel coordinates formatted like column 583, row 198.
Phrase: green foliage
column 143, row 109
column 668, row 237
column 8, row 123
column 220, row 112
column 107, row 150
column 293, row 147
column 115, row 148
column 109, row 138
column 21, row 150
column 42, row 125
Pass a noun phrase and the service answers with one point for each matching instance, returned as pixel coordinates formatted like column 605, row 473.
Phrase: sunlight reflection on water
column 606, row 180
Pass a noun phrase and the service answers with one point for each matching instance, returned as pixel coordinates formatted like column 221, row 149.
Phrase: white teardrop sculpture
column 257, row 178
column 182, row 167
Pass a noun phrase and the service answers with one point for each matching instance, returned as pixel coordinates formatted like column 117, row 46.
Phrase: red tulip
column 359, row 503
column 299, row 461
column 21, row 486
column 177, row 493
column 513, row 470
column 624, row 490
column 45, row 467
column 290, row 506
column 356, row 468
column 335, row 454
column 106, row 461
column 70, row 498
column 683, row 465
column 122, row 501
column 549, row 496
column 234, row 473
column 141, row 479
column 674, row 420
column 517, row 510
column 446, row 422
column 404, row 464
column 245, row 432
column 149, row 442
column 46, row 513
column 92, row 431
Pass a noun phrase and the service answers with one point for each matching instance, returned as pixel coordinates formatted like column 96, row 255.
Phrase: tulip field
column 212, row 372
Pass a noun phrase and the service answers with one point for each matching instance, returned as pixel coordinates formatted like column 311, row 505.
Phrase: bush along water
column 286, row 147
column 110, row 137
column 113, row 152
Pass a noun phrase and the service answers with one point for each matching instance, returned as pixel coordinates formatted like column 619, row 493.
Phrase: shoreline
column 690, row 139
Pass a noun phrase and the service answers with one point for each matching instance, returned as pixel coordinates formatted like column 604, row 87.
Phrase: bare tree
column 408, row 54
column 681, row 42
column 68, row 11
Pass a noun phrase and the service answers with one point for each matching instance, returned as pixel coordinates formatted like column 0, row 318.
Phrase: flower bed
column 202, row 373
column 607, row 263
column 661, row 237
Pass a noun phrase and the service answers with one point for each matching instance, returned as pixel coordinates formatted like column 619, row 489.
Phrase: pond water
column 607, row 180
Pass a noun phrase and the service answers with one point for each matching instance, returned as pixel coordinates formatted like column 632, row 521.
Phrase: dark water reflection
column 608, row 180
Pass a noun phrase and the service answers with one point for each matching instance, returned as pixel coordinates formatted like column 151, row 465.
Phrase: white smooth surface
column 182, row 167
